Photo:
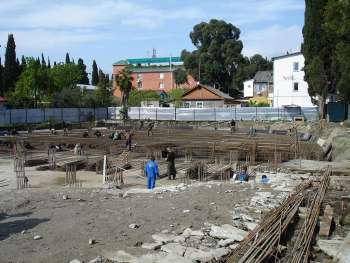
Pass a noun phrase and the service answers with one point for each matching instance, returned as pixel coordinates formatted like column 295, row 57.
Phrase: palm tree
column 124, row 82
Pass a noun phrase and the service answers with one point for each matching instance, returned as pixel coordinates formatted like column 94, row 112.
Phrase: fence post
column 235, row 113
column 44, row 115
column 26, row 115
column 139, row 113
column 256, row 113
column 156, row 114
column 10, row 116
column 194, row 114
column 175, row 113
column 79, row 115
column 62, row 114
column 215, row 114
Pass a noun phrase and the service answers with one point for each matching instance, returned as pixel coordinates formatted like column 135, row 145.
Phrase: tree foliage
column 65, row 76
column 11, row 70
column 318, row 52
column 217, row 55
column 34, row 86
column 124, row 82
column 137, row 96
column 67, row 58
column 94, row 77
column 249, row 66
column 180, row 76
column 84, row 76
column 175, row 96
column 337, row 27
column 1, row 77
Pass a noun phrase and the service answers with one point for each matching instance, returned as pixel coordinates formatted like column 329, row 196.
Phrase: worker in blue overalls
column 151, row 171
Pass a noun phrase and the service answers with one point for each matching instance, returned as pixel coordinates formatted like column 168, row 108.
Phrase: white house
column 248, row 88
column 288, row 80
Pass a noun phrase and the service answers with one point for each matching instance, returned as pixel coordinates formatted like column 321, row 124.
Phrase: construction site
column 80, row 195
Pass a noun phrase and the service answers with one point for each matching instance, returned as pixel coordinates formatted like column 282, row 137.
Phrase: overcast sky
column 110, row 30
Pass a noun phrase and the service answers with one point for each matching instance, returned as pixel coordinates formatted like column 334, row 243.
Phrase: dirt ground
column 65, row 226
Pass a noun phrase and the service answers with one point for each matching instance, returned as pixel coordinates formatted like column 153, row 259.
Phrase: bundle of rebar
column 301, row 250
column 264, row 240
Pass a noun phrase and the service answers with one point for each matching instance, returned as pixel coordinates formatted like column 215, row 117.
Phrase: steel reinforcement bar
column 301, row 250
column 263, row 241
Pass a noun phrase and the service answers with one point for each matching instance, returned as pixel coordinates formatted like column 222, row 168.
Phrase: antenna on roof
column 154, row 53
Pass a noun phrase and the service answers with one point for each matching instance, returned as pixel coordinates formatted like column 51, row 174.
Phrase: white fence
column 68, row 115
column 216, row 114
column 76, row 115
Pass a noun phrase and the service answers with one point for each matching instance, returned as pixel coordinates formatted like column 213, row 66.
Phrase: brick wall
column 152, row 81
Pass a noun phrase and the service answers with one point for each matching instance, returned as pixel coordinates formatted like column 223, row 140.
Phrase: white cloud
column 39, row 40
column 253, row 11
column 38, row 24
column 91, row 13
column 272, row 41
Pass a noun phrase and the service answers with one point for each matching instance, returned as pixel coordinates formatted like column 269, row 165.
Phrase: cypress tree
column 317, row 50
column 67, row 58
column 19, row 68
column 23, row 61
column 1, row 77
column 48, row 62
column 94, row 78
column 84, row 76
column 43, row 62
column 11, row 67
column 54, row 63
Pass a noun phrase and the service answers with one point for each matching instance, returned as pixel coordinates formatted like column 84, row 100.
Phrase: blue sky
column 110, row 30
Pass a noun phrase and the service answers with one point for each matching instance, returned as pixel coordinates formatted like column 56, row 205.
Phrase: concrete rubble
column 338, row 249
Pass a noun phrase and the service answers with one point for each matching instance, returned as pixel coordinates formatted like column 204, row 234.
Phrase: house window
column 296, row 86
column 199, row 104
column 295, row 66
column 187, row 105
column 161, row 85
column 161, row 75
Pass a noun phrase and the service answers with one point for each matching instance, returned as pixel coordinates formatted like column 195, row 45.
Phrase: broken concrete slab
column 330, row 247
column 151, row 258
column 250, row 225
column 226, row 242
column 119, row 256
column 343, row 254
column 198, row 255
column 205, row 256
column 163, row 238
column 189, row 232
column 152, row 246
column 174, row 248
column 173, row 259
column 227, row 232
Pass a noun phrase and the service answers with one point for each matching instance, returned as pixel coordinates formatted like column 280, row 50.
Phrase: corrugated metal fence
column 76, row 115
column 218, row 114
column 69, row 115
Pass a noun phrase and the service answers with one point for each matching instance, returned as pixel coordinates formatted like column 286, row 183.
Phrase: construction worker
column 141, row 124
column 128, row 136
column 232, row 126
column 243, row 175
column 150, row 128
column 151, row 171
column 171, row 164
